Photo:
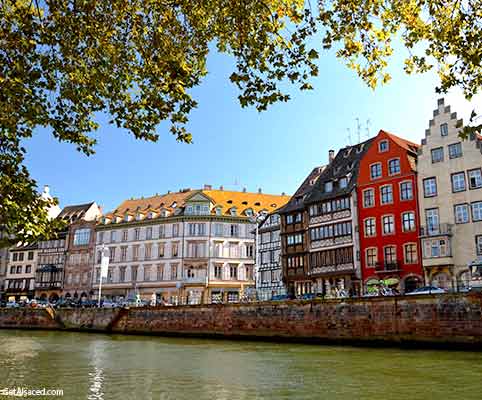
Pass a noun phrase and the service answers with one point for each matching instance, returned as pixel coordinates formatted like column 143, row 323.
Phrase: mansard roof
column 75, row 212
column 345, row 164
column 296, row 201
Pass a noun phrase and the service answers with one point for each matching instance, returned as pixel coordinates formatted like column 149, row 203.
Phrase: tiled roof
column 226, row 199
column 345, row 164
column 296, row 201
column 404, row 143
column 74, row 212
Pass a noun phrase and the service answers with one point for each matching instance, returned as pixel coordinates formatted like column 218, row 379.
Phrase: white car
column 427, row 290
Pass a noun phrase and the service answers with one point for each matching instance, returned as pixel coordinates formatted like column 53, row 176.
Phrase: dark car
column 280, row 297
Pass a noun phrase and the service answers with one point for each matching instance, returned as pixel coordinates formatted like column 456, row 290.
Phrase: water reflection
column 91, row 366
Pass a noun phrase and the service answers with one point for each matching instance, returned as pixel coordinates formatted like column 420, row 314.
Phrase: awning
column 391, row 281
column 372, row 281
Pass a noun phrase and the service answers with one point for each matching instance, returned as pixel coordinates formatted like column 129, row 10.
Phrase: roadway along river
column 97, row 366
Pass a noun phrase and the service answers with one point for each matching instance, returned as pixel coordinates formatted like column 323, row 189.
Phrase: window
column 444, row 130
column 410, row 253
column 19, row 269
column 383, row 146
column 135, row 252
column 197, row 229
column 173, row 272
column 328, row 186
column 437, row 155
column 430, row 187
column 455, row 150
column 28, row 269
column 435, row 248
column 218, row 230
column 461, row 212
column 175, row 230
column 368, row 198
column 174, row 249
column 162, row 231
column 113, row 236
column 408, row 221
column 376, row 170
column 432, row 220
column 475, row 178
column 386, row 193
column 125, row 235
column 390, row 254
column 160, row 248
column 123, row 256
column 234, row 230
column 160, row 272
column 343, row 182
column 218, row 272
column 458, row 182
column 15, row 257
column 477, row 211
column 12, row 269
column 370, row 229
column 122, row 274
column 388, row 224
column 30, row 255
column 137, row 233
column 478, row 243
column 149, row 232
column 147, row 251
column 20, row 256
column 394, row 166
column 82, row 237
column 289, row 219
column 406, row 191
column 371, row 257
column 147, row 273
column 233, row 272
column 111, row 254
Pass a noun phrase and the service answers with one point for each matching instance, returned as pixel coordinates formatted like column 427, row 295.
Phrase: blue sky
column 234, row 147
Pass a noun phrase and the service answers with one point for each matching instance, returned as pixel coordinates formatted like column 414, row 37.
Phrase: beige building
column 450, row 200
column 20, row 275
column 191, row 246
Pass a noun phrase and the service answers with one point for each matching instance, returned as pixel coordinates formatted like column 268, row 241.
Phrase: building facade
column 334, row 248
column 52, row 255
column 79, row 263
column 450, row 200
column 294, row 240
column 270, row 273
column 388, row 217
column 20, row 275
column 190, row 246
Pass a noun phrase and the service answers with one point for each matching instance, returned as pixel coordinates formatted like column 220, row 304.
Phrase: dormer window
column 444, row 130
column 328, row 186
column 360, row 148
column 219, row 211
column 105, row 220
column 150, row 215
column 232, row 211
column 347, row 152
column 139, row 216
column 249, row 212
column 189, row 210
column 382, row 146
column 164, row 213
column 126, row 218
column 174, row 205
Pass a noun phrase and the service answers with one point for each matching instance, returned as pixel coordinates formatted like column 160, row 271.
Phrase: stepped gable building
column 49, row 276
column 191, row 246
column 270, row 273
column 294, row 241
column 450, row 200
column 388, row 216
column 79, row 261
column 20, row 274
column 333, row 243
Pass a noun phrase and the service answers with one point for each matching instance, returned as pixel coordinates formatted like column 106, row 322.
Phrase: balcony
column 387, row 267
column 436, row 230
column 48, row 285
column 195, row 279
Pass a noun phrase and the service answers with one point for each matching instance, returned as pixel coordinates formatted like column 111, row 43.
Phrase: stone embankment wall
column 426, row 320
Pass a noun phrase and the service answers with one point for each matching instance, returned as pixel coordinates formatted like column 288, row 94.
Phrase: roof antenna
column 358, row 129
column 368, row 128
column 349, row 136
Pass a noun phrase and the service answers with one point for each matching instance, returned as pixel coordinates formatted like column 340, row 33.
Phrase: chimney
column 221, row 187
column 331, row 156
column 208, row 187
column 244, row 190
column 260, row 191
column 168, row 192
column 283, row 194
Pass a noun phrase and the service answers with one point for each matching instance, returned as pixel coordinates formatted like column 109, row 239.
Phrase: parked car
column 280, row 297
column 108, row 304
column 12, row 304
column 427, row 290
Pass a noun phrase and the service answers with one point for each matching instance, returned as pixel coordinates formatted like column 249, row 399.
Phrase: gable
column 199, row 196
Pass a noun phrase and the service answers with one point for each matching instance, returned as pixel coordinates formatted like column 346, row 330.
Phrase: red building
column 388, row 217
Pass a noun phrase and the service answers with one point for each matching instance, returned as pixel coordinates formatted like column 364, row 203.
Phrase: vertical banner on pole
column 104, row 267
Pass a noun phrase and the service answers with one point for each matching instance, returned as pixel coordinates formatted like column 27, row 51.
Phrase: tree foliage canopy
column 64, row 61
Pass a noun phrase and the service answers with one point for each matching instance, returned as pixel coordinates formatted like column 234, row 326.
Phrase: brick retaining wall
column 431, row 320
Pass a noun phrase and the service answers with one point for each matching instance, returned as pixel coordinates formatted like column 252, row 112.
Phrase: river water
column 100, row 366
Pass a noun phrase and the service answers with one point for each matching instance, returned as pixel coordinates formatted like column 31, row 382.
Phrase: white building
column 450, row 200
column 20, row 275
column 190, row 246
